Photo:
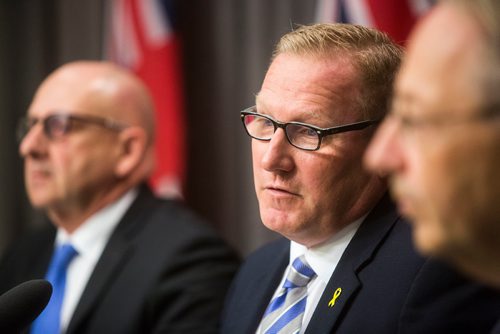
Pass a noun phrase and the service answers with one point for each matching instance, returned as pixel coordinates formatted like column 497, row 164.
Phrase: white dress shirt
column 89, row 241
column 323, row 260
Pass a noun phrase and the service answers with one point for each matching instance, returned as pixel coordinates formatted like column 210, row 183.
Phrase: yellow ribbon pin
column 336, row 295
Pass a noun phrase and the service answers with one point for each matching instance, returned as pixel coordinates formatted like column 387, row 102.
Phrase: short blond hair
column 373, row 53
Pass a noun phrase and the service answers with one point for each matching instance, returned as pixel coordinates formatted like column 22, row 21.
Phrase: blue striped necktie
column 284, row 313
column 49, row 320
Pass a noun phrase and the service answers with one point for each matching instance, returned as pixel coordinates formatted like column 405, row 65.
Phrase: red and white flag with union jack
column 395, row 17
column 141, row 37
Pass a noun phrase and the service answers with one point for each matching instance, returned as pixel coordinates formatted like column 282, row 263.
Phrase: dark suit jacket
column 162, row 271
column 386, row 287
column 496, row 329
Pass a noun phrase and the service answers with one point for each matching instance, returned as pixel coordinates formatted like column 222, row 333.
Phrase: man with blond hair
column 346, row 263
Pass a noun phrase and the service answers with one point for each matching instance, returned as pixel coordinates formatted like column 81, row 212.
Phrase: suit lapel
column 116, row 253
column 44, row 253
column 344, row 284
column 106, row 269
column 261, row 287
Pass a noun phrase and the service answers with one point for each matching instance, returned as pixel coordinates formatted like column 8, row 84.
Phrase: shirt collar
column 93, row 234
column 324, row 258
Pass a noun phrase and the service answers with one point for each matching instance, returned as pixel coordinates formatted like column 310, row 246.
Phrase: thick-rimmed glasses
column 301, row 135
column 60, row 124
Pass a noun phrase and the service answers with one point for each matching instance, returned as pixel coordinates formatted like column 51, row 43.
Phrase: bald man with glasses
column 346, row 262
column 121, row 260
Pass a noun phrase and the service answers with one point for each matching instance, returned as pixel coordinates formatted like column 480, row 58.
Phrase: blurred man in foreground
column 440, row 145
column 346, row 263
column 132, row 263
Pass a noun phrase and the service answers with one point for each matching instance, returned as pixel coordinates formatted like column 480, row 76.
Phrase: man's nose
column 383, row 155
column 279, row 153
column 33, row 141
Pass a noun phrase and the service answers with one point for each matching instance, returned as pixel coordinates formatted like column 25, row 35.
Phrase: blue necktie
column 284, row 313
column 49, row 320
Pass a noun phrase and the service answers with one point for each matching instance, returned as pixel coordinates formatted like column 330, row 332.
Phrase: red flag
column 395, row 17
column 141, row 38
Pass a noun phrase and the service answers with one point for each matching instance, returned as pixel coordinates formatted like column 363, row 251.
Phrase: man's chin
column 280, row 223
column 39, row 201
column 405, row 207
column 428, row 242
column 276, row 225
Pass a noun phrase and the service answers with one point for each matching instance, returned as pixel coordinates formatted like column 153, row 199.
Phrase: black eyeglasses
column 58, row 125
column 301, row 135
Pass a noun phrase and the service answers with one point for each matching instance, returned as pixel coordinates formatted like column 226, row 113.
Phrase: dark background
column 226, row 49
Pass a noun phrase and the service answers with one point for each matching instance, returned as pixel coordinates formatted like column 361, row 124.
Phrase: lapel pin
column 336, row 295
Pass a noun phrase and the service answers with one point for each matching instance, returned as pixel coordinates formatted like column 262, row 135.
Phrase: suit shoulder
column 164, row 217
column 172, row 232
column 272, row 250
column 30, row 242
column 444, row 300
column 267, row 258
column 25, row 258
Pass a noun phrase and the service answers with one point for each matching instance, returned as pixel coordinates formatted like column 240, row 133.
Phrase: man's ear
column 133, row 142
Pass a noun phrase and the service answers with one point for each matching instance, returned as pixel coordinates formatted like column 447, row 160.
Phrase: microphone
column 20, row 305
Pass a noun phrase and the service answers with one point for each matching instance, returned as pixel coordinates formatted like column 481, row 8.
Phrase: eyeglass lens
column 263, row 128
column 54, row 126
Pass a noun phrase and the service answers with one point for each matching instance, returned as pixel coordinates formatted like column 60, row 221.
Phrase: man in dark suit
column 347, row 263
column 139, row 264
column 441, row 144
column 451, row 191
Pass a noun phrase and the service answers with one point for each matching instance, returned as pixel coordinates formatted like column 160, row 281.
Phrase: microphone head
column 21, row 305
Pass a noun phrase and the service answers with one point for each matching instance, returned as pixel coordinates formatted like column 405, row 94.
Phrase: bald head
column 109, row 91
column 89, row 139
